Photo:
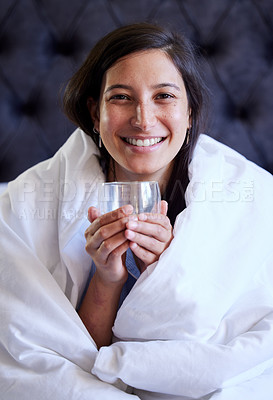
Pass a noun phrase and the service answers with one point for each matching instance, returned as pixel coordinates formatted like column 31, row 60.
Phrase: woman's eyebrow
column 166, row 84
column 128, row 87
column 118, row 86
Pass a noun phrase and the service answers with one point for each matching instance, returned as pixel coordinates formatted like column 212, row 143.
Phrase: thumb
column 164, row 207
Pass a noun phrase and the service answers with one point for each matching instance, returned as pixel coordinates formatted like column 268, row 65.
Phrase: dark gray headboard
column 42, row 42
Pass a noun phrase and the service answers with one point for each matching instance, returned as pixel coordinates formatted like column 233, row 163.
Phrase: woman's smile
column 147, row 142
column 143, row 145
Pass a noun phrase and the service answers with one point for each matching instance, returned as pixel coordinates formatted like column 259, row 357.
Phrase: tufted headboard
column 42, row 42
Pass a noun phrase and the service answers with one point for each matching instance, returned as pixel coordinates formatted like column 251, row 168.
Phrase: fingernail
column 128, row 209
column 130, row 235
column 142, row 217
column 133, row 217
column 132, row 224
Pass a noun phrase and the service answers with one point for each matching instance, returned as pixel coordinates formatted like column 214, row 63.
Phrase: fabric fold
column 46, row 351
column 200, row 319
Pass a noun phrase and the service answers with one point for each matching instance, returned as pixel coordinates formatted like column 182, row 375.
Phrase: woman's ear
column 93, row 108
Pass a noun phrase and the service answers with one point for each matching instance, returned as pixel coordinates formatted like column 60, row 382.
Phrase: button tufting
column 211, row 49
column 243, row 113
column 29, row 108
column 5, row 45
column 42, row 43
column 67, row 47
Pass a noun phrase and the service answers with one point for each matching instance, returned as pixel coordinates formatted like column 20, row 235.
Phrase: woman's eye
column 119, row 97
column 164, row 96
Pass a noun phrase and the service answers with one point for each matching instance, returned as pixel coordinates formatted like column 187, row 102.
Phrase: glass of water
column 143, row 196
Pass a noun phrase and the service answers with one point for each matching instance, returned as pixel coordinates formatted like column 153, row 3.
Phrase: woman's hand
column 107, row 239
column 106, row 243
column 149, row 236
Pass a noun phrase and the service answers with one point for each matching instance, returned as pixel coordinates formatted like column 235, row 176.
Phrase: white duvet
column 197, row 324
column 45, row 351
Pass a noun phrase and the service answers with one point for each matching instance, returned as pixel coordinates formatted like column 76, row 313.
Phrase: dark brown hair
column 126, row 40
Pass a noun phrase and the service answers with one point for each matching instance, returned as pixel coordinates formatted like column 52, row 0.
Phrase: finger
column 147, row 242
column 164, row 207
column 116, row 214
column 146, row 257
column 160, row 219
column 111, row 245
column 93, row 213
column 112, row 268
column 158, row 227
column 108, row 218
column 96, row 237
column 118, row 251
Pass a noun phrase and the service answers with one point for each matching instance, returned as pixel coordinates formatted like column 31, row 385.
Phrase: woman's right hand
column 107, row 244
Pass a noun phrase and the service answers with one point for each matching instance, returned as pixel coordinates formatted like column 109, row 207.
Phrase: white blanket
column 199, row 322
column 45, row 351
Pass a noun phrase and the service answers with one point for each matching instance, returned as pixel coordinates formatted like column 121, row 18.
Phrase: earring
column 97, row 133
column 188, row 134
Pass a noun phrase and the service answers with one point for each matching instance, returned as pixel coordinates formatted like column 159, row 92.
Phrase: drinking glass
column 143, row 196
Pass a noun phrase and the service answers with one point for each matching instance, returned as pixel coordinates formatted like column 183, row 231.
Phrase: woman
column 196, row 319
column 130, row 102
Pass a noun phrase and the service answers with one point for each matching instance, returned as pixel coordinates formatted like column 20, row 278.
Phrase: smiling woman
column 140, row 91
column 169, row 304
column 143, row 52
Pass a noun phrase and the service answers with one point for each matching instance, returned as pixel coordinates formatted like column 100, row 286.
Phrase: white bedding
column 198, row 324
column 3, row 187
column 45, row 351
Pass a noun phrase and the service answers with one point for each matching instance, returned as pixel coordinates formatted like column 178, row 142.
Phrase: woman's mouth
column 143, row 142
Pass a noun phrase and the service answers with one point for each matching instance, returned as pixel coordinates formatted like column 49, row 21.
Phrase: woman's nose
column 144, row 117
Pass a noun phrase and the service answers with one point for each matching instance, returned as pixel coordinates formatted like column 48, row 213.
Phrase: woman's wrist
column 105, row 289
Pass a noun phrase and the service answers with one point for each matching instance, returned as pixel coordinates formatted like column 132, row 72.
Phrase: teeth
column 143, row 143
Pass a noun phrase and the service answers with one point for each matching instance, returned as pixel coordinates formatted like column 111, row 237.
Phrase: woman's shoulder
column 78, row 150
column 230, row 162
column 79, row 144
column 61, row 183
column 219, row 173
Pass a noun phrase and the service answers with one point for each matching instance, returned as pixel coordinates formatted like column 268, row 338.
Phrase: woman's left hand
column 149, row 236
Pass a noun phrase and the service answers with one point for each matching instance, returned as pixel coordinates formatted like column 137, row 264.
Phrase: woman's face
column 142, row 115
